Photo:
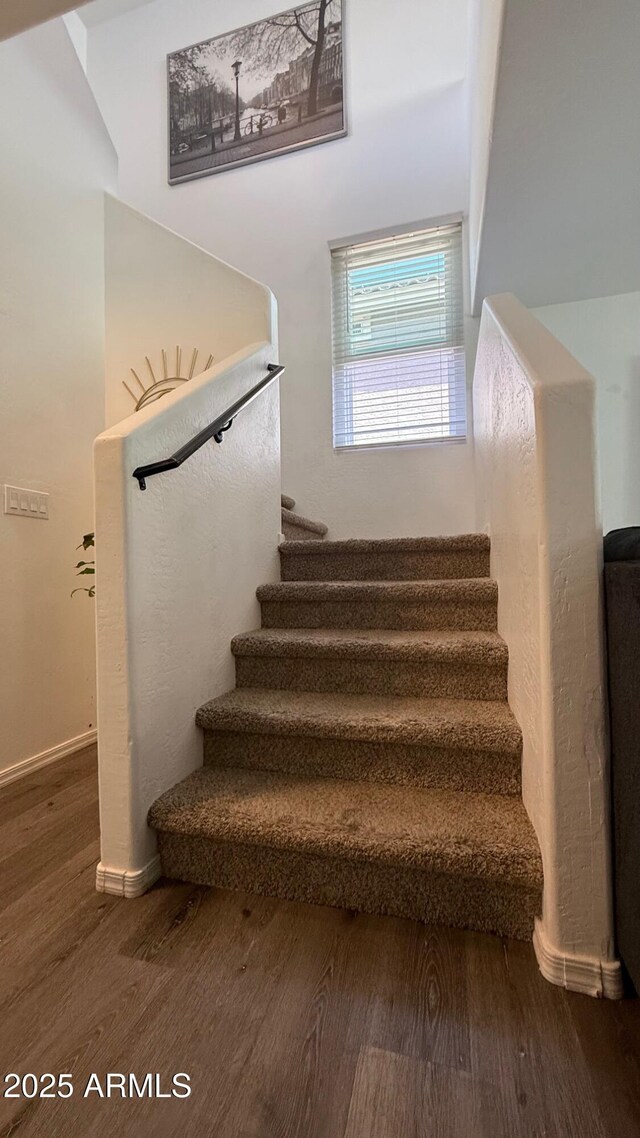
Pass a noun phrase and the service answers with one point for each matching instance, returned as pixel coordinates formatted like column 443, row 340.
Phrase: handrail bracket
column 216, row 430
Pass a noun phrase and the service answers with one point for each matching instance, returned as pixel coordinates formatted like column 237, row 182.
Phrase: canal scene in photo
column 265, row 89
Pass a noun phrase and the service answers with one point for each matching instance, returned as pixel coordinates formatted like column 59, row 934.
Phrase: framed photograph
column 262, row 90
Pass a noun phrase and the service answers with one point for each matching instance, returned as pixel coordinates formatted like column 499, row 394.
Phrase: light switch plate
column 26, row 503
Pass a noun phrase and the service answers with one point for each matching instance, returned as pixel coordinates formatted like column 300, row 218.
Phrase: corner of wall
column 77, row 31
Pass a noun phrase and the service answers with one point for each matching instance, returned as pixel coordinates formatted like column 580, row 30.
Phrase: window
column 398, row 345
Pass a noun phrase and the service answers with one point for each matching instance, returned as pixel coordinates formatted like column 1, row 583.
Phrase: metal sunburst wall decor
column 168, row 382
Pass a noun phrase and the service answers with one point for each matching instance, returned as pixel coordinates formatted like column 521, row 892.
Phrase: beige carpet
column 297, row 528
column 466, row 665
column 367, row 757
column 467, row 605
column 404, row 558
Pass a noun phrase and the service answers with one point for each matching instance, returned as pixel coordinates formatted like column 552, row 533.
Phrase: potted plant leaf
column 86, row 568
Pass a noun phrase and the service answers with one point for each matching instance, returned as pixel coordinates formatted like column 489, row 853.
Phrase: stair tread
column 440, row 831
column 475, row 725
column 287, row 503
column 303, row 523
column 454, row 544
column 480, row 588
column 374, row 643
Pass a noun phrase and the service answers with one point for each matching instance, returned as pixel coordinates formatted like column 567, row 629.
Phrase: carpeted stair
column 297, row 528
column 367, row 757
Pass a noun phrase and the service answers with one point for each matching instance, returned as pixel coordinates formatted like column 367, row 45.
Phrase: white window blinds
column 398, row 344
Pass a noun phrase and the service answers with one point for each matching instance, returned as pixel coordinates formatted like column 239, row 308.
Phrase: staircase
column 297, row 528
column 367, row 757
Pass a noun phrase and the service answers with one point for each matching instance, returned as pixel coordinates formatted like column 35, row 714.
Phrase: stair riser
column 402, row 616
column 383, row 566
column 299, row 533
column 399, row 764
column 467, row 903
column 373, row 677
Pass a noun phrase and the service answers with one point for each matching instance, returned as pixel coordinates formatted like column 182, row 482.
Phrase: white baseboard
column 587, row 974
column 127, row 882
column 28, row 766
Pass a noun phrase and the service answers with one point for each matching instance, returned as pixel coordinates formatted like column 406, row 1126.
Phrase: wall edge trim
column 587, row 974
column 127, row 883
column 44, row 758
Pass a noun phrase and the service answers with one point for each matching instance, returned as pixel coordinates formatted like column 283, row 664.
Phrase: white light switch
column 26, row 503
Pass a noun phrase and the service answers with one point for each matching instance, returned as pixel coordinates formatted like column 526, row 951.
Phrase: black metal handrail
column 214, row 431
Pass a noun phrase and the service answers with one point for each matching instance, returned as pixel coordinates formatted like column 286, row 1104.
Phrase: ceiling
column 101, row 10
column 18, row 15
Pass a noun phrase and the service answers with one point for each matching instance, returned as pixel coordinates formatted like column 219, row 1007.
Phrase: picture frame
column 266, row 89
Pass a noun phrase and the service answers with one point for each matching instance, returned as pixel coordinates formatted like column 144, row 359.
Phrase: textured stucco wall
column 535, row 448
column 178, row 566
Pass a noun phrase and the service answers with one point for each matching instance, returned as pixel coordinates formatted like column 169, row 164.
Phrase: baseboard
column 587, row 974
column 28, row 766
column 127, row 882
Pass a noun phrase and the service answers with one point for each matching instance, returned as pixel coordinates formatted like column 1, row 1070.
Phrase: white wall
column 604, row 334
column 485, row 42
column 56, row 159
column 98, row 10
column 561, row 219
column 164, row 292
column 78, row 35
column 179, row 563
column 404, row 160
column 178, row 568
column 535, row 448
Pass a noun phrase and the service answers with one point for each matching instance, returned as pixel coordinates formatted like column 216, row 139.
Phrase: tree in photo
column 194, row 92
column 280, row 39
column 186, row 71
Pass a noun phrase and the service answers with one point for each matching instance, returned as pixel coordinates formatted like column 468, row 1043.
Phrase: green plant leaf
column 86, row 568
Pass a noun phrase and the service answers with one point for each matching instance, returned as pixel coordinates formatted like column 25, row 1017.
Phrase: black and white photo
column 266, row 89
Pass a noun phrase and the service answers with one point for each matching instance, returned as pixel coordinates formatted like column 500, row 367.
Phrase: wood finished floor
column 290, row 1020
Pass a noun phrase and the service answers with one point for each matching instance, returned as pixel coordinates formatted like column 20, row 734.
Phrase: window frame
column 443, row 221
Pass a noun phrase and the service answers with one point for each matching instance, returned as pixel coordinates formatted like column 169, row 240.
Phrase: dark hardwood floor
column 289, row 1020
